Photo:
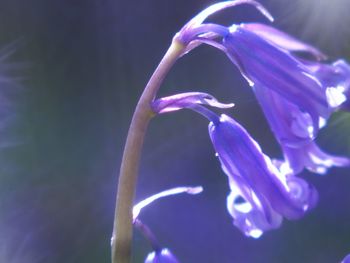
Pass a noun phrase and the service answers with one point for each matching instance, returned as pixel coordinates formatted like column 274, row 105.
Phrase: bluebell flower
column 315, row 88
column 297, row 95
column 261, row 193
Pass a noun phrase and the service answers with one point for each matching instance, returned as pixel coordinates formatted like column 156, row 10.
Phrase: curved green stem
column 122, row 229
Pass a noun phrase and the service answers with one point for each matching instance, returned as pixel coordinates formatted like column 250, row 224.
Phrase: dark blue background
column 83, row 65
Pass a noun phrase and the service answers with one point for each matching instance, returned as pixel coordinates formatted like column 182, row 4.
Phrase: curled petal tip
column 211, row 101
column 195, row 190
column 186, row 100
column 311, row 157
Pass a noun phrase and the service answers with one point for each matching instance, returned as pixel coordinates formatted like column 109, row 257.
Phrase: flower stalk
column 123, row 218
column 148, row 234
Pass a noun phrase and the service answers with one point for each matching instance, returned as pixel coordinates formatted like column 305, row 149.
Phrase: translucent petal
column 186, row 100
column 282, row 39
column 261, row 195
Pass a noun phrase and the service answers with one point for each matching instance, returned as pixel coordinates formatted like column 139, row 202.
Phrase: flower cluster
column 297, row 96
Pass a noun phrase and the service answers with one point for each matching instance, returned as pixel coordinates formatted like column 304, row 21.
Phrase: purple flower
column 163, row 256
column 297, row 95
column 315, row 88
column 261, row 195
column 270, row 67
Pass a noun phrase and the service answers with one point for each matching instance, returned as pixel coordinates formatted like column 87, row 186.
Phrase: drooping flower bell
column 296, row 95
column 261, row 194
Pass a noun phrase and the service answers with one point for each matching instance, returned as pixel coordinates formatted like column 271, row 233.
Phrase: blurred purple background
column 86, row 63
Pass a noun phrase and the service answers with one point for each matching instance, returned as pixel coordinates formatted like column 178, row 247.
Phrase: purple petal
column 297, row 98
column 310, row 156
column 186, row 100
column 163, row 256
column 291, row 126
column 315, row 88
column 346, row 106
column 336, row 79
column 294, row 131
column 346, row 259
column 252, row 215
column 282, row 40
column 271, row 67
column 260, row 193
